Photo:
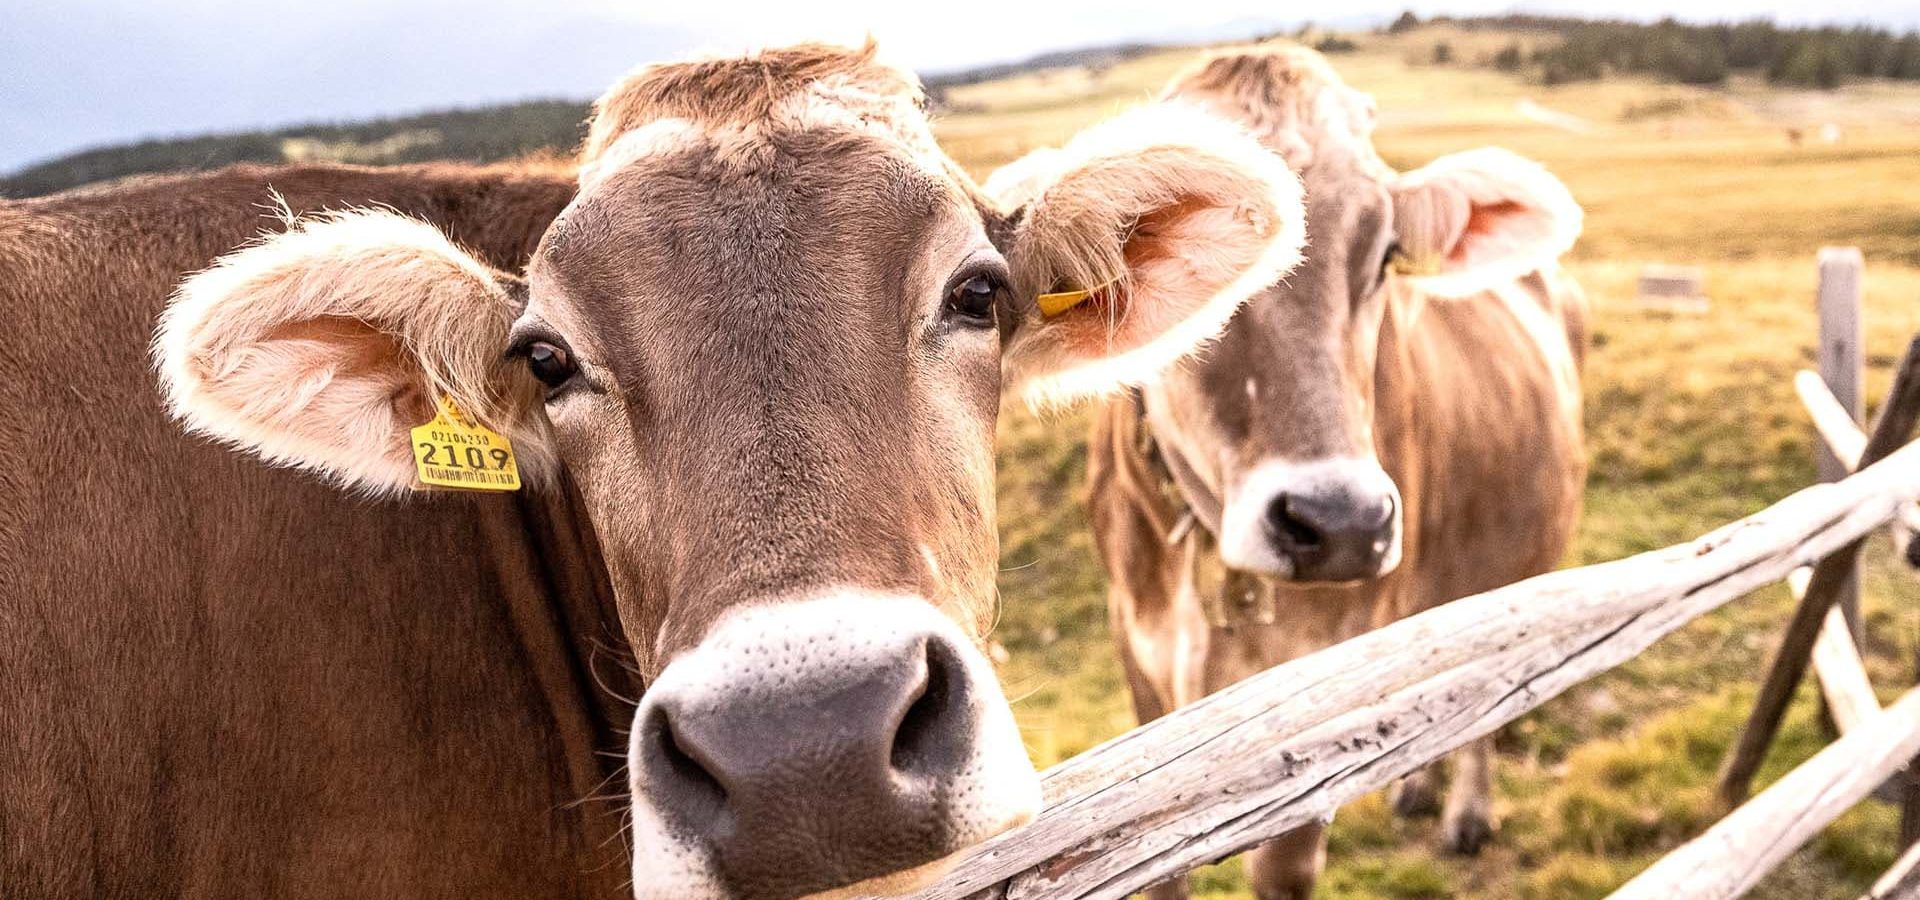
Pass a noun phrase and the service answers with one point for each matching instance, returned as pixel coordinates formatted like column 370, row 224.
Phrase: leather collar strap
column 1201, row 503
column 1228, row 598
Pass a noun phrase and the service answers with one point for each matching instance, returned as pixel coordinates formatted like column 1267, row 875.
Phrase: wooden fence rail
column 1290, row 745
column 1742, row 848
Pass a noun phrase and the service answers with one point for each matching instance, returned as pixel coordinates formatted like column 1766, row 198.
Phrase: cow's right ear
column 323, row 346
column 1471, row 220
column 1135, row 243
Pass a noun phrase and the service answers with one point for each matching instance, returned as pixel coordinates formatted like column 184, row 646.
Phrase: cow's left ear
column 1135, row 244
column 1471, row 220
column 323, row 346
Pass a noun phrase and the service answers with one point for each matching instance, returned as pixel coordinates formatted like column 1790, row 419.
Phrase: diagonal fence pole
column 1836, row 658
column 1897, row 419
column 1742, row 848
column 1844, row 439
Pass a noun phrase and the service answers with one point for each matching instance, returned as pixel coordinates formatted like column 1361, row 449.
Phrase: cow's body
column 1394, row 426
column 220, row 680
column 1478, row 419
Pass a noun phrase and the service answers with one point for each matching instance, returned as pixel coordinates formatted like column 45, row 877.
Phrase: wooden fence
column 1289, row 746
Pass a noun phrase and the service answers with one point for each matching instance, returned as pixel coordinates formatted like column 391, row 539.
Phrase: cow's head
column 1277, row 418
column 767, row 342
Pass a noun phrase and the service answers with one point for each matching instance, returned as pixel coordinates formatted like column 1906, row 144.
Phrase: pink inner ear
column 1496, row 231
column 325, row 378
column 1486, row 223
column 1474, row 220
column 1178, row 258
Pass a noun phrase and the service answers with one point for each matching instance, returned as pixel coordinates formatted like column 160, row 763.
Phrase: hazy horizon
column 99, row 72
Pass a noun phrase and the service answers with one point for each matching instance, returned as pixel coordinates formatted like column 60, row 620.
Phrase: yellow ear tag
column 454, row 451
column 1056, row 303
column 1403, row 263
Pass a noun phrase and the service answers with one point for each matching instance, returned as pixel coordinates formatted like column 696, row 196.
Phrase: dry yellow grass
column 1691, row 419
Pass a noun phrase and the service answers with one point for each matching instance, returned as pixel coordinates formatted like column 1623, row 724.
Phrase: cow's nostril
column 689, row 781
column 1289, row 523
column 1388, row 505
column 922, row 724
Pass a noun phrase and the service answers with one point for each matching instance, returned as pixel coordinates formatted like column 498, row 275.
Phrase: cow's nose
column 1333, row 530
column 836, row 752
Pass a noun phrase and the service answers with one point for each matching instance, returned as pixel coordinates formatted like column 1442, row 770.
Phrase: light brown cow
column 1394, row 425
column 751, row 377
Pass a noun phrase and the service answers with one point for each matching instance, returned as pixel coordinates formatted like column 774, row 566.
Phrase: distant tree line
column 486, row 134
column 1578, row 50
column 1699, row 54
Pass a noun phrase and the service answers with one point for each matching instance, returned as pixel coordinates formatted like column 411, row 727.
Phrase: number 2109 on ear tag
column 454, row 451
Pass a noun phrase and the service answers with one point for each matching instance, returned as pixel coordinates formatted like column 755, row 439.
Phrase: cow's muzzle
column 807, row 746
column 1326, row 521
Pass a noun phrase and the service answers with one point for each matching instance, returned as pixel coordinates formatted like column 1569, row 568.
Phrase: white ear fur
column 320, row 348
column 1472, row 220
column 1017, row 183
column 1182, row 215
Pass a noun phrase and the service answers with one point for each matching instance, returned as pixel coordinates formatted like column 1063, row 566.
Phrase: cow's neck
column 1308, row 618
column 568, row 624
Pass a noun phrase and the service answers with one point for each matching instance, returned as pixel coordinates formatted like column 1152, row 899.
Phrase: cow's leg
column 1467, row 822
column 1286, row 867
column 1418, row 792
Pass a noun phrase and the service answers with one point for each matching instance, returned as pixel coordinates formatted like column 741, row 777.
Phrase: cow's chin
column 1263, row 561
column 1260, row 559
column 990, row 787
column 699, row 882
column 900, row 883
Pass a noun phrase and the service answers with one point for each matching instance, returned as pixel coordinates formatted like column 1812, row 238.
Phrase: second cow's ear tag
column 454, row 451
column 1403, row 263
column 1058, row 302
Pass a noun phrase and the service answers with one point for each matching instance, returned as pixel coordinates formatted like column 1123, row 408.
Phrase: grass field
column 1691, row 422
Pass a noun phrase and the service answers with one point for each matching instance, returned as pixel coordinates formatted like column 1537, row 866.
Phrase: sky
column 81, row 73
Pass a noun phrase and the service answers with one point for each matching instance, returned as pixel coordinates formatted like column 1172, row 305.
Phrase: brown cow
column 1393, row 426
column 751, row 377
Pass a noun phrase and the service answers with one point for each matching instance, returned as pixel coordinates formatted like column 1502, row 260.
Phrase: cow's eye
column 550, row 363
column 973, row 300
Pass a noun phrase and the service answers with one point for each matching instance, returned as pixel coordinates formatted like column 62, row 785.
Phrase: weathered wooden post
column 1843, row 366
column 1898, row 416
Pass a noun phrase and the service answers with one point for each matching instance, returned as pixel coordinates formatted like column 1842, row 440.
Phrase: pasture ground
column 1691, row 422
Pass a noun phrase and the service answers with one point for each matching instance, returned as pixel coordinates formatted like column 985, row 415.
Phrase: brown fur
column 735, row 91
column 1465, row 404
column 1290, row 98
column 221, row 681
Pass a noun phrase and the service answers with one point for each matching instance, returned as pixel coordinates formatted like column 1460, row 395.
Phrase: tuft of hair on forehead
column 1288, row 96
column 757, row 90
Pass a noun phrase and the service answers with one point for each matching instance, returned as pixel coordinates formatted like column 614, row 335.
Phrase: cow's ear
column 322, row 347
column 1134, row 245
column 1472, row 220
